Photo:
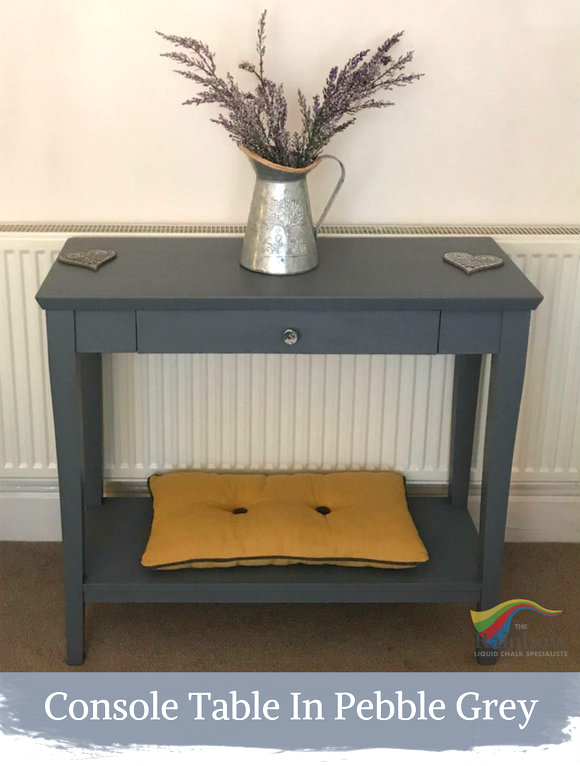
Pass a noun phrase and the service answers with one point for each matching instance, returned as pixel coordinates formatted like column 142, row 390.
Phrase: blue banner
column 299, row 712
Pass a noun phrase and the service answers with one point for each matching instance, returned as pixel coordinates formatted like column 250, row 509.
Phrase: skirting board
column 533, row 516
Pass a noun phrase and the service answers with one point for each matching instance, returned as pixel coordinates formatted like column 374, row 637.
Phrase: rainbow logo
column 493, row 625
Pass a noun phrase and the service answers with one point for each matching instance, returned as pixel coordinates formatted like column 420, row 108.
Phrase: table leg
column 465, row 391
column 92, row 416
column 65, row 380
column 505, row 391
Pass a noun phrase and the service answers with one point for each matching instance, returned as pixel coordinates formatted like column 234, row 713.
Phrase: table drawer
column 318, row 332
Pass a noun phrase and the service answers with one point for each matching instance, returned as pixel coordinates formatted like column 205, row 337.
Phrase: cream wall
column 91, row 127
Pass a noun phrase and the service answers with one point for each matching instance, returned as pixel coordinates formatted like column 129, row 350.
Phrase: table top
column 370, row 273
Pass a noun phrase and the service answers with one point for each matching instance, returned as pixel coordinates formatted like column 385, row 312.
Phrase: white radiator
column 250, row 412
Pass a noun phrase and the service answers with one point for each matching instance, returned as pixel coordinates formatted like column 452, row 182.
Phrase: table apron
column 318, row 332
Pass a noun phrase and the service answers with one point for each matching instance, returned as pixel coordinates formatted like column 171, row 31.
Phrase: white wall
column 91, row 127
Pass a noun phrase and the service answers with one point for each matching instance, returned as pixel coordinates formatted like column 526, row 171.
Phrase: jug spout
column 280, row 235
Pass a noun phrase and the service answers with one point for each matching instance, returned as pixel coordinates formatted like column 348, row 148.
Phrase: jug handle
column 334, row 192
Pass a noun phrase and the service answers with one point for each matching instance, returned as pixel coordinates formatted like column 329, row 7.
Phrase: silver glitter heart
column 472, row 263
column 90, row 259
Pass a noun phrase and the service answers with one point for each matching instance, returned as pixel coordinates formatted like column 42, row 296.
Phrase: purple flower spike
column 258, row 119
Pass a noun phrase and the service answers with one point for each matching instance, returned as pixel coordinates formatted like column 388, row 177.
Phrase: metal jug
column 280, row 236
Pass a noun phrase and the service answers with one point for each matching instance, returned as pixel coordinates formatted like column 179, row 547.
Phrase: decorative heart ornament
column 90, row 259
column 472, row 263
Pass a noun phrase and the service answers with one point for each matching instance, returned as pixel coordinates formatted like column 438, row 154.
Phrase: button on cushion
column 220, row 520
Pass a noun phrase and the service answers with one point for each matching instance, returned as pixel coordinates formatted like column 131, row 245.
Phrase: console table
column 367, row 296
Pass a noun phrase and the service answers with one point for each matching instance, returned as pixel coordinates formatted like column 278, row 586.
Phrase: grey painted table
column 371, row 296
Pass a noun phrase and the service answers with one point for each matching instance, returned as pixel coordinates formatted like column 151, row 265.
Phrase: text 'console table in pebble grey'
column 367, row 296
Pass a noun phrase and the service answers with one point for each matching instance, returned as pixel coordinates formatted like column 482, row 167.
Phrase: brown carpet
column 284, row 637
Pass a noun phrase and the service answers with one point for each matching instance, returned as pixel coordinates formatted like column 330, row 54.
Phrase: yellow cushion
column 224, row 520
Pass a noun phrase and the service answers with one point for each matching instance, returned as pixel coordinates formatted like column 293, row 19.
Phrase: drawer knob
column 290, row 336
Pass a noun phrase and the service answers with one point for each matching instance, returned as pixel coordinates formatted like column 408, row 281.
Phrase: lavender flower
column 258, row 119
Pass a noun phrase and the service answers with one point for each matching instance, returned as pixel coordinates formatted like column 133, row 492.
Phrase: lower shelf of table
column 116, row 534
